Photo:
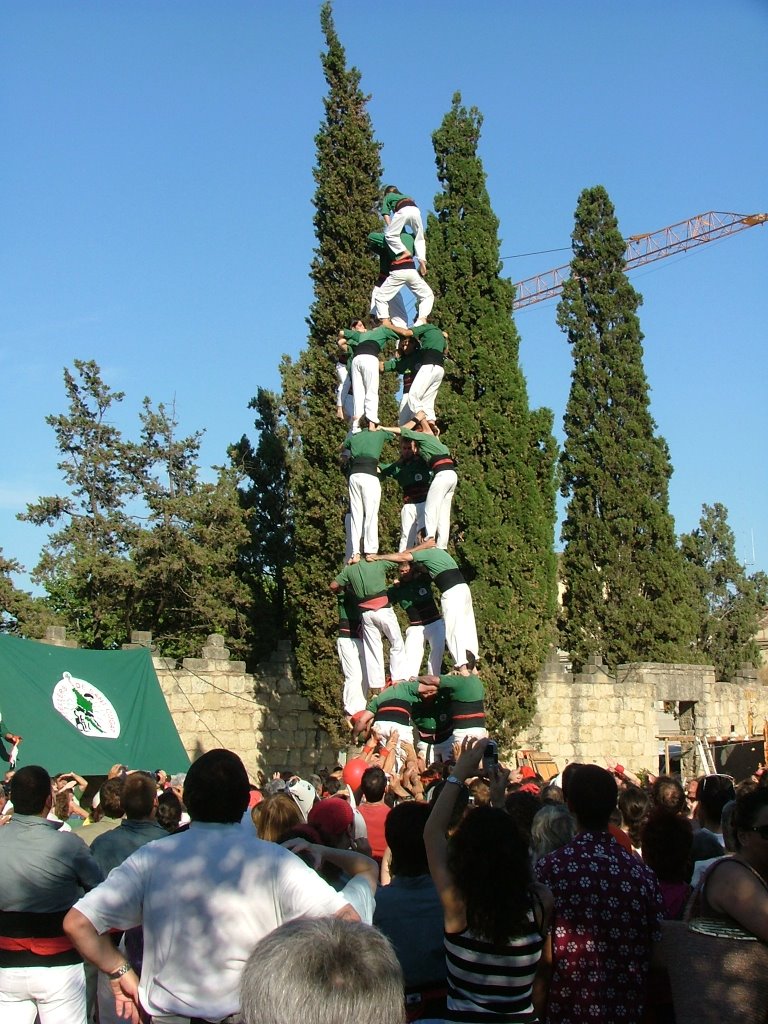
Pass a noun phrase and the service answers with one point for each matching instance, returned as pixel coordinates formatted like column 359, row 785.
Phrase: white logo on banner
column 86, row 708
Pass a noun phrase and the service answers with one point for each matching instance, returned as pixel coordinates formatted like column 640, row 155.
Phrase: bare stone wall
column 262, row 717
column 586, row 716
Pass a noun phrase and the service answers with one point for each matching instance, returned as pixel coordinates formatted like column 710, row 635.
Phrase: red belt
column 42, row 947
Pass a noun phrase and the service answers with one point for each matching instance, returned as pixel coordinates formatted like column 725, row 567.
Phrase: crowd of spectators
column 460, row 891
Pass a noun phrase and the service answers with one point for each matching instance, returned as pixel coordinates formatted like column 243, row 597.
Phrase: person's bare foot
column 354, row 560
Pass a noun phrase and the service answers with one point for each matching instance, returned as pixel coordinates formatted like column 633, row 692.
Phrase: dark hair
column 332, row 785
column 713, row 793
column 590, row 794
column 497, row 902
column 748, row 806
column 30, row 788
column 522, row 807
column 404, row 832
column 373, row 784
column 391, row 188
column 668, row 793
column 139, row 795
column 667, row 840
column 168, row 810
column 634, row 804
column 551, row 794
column 216, row 788
column 111, row 798
column 566, row 776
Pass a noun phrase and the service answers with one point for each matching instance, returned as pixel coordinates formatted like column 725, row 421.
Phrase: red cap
column 526, row 772
column 332, row 816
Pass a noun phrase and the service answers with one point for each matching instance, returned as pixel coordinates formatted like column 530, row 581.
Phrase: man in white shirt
column 204, row 898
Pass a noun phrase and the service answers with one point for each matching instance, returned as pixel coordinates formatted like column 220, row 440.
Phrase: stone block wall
column 262, row 717
column 586, row 716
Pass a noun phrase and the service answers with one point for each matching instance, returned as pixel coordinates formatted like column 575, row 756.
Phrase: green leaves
column 628, row 597
column 504, row 510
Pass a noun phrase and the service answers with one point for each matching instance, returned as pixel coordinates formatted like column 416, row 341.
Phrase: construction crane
column 643, row 249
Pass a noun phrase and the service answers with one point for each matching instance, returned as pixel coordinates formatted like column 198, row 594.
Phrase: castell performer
column 366, row 348
column 369, row 584
column 413, row 592
column 412, row 474
column 437, row 508
column 364, row 450
column 401, row 212
column 455, row 600
column 403, row 273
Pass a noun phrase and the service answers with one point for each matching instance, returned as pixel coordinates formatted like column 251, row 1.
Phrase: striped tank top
column 492, row 983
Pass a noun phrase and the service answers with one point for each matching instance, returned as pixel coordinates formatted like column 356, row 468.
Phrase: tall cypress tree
column 504, row 510
column 627, row 595
column 347, row 174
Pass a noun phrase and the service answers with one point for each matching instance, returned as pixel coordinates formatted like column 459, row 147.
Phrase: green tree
column 20, row 613
column 86, row 568
column 347, row 176
column 265, row 495
column 730, row 602
column 186, row 560
column 627, row 595
column 504, row 510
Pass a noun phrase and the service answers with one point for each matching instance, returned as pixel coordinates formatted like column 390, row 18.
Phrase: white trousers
column 344, row 391
column 408, row 217
column 460, row 628
column 404, row 733
column 437, row 511
column 355, row 693
column 415, row 636
column 365, row 388
column 57, row 994
column 395, row 282
column 376, row 624
column 421, row 397
column 364, row 501
column 395, row 306
column 405, row 413
column 411, row 521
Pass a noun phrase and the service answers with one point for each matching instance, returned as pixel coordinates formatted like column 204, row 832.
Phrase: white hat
column 304, row 793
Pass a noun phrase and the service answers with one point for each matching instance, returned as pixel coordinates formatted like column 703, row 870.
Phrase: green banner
column 83, row 711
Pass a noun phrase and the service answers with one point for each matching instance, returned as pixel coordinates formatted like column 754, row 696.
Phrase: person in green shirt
column 402, row 273
column 390, row 711
column 365, row 449
column 366, row 347
column 349, row 647
column 400, row 212
column 455, row 600
column 413, row 592
column 368, row 582
column 430, row 371
column 437, row 508
column 467, row 709
column 396, row 313
column 404, row 363
column 412, row 474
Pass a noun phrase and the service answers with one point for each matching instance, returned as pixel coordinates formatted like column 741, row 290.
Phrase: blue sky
column 156, row 203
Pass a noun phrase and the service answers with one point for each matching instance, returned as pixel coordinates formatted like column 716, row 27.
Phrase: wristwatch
column 455, row 781
column 123, row 969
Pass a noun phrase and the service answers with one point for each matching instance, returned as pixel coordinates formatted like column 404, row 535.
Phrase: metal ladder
column 704, row 753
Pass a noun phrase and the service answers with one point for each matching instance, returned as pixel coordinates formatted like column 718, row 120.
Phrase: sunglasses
column 762, row 830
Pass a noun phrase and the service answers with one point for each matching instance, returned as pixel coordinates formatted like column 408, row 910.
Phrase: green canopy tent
column 84, row 711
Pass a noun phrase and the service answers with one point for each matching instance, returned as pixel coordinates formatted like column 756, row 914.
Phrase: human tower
column 426, row 474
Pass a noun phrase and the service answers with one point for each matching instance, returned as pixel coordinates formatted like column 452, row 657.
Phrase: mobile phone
column 491, row 755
